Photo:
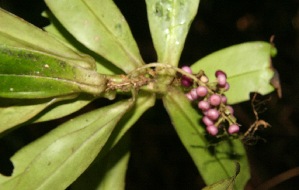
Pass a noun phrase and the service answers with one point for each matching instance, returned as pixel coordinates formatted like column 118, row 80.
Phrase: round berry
column 215, row 100
column 226, row 87
column 193, row 94
column 188, row 95
column 204, row 79
column 230, row 110
column 213, row 114
column 187, row 69
column 233, row 129
column 203, row 105
column 186, row 82
column 207, row 121
column 223, row 99
column 202, row 91
column 220, row 72
column 212, row 130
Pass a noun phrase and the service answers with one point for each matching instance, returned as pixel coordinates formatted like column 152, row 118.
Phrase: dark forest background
column 158, row 159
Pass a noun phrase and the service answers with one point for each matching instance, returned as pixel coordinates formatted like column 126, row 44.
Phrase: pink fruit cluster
column 212, row 102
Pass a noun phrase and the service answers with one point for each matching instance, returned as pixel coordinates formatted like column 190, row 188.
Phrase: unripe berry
column 213, row 114
column 202, row 91
column 203, row 105
column 233, row 129
column 212, row 130
column 215, row 99
column 207, row 121
column 204, row 79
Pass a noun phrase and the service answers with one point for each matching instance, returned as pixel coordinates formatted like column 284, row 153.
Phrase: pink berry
column 221, row 78
column 207, row 121
column 186, row 82
column 220, row 72
column 226, row 87
column 233, row 129
column 203, row 105
column 215, row 100
column 188, row 95
column 230, row 109
column 213, row 114
column 187, row 69
column 193, row 94
column 223, row 99
column 202, row 91
column 212, row 130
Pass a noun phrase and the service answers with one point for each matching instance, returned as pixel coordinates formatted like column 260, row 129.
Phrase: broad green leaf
column 63, row 108
column 30, row 74
column 213, row 165
column 14, row 31
column 59, row 157
column 108, row 171
column 248, row 68
column 13, row 114
column 55, row 28
column 101, row 27
column 226, row 184
column 169, row 22
column 143, row 102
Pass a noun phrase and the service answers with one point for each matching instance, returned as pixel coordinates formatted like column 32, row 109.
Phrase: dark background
column 158, row 159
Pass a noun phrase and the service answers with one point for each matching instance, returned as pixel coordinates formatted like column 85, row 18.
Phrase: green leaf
column 30, row 74
column 143, row 102
column 14, row 31
column 59, row 157
column 100, row 26
column 248, row 68
column 63, row 108
column 108, row 171
column 169, row 22
column 55, row 28
column 226, row 184
column 13, row 113
column 214, row 163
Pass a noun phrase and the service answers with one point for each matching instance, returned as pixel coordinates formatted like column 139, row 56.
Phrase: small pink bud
column 230, row 109
column 220, row 72
column 212, row 130
column 215, row 100
column 186, row 82
column 226, row 87
column 188, row 95
column 202, row 91
column 233, row 129
column 224, row 99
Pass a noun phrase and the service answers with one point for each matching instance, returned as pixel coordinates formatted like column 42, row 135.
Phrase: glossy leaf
column 169, row 22
column 100, row 26
column 14, row 31
column 30, row 74
column 214, row 163
column 58, row 158
column 248, row 68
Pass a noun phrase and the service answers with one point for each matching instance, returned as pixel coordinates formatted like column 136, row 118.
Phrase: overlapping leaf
column 57, row 159
column 30, row 74
column 16, row 32
column 213, row 165
column 169, row 22
column 100, row 26
column 248, row 68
